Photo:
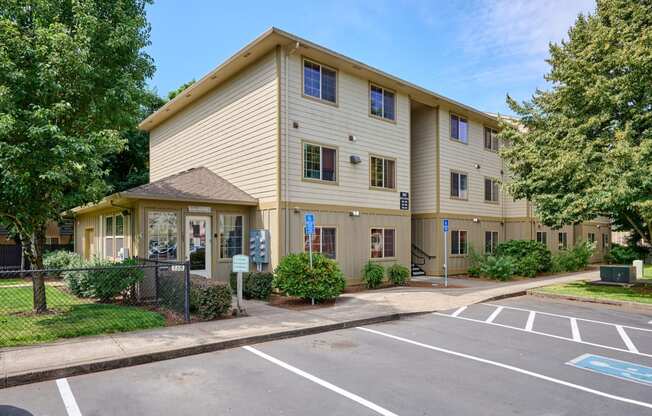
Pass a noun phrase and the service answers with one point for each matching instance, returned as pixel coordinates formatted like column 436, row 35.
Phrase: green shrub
column 518, row 249
column 476, row 260
column 210, row 301
column 623, row 254
column 60, row 259
column 398, row 274
column 500, row 268
column 107, row 282
column 255, row 285
column 526, row 266
column 574, row 259
column 373, row 274
column 294, row 277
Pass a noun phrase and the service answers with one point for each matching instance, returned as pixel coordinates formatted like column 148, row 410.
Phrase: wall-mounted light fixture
column 354, row 213
column 477, row 166
column 295, row 124
column 352, row 138
column 297, row 210
column 355, row 159
column 476, row 220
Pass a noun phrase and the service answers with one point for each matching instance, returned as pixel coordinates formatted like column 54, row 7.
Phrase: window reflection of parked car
column 162, row 250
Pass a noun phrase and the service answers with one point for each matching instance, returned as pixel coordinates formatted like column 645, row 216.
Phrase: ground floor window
column 542, row 237
column 114, row 235
column 458, row 242
column 323, row 241
column 162, row 235
column 383, row 241
column 563, row 241
column 605, row 241
column 490, row 241
column 591, row 237
column 231, row 235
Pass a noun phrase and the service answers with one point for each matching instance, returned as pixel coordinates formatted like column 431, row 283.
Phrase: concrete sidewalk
column 265, row 323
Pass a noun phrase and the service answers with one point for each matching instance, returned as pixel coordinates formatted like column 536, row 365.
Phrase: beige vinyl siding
column 424, row 160
column 232, row 131
column 331, row 125
column 460, row 157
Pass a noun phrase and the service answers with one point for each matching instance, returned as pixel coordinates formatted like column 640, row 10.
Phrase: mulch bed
column 298, row 304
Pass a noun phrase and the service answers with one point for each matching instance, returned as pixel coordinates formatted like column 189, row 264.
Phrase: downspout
column 286, row 144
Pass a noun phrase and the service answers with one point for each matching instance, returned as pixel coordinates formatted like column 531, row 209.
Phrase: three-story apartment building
column 286, row 127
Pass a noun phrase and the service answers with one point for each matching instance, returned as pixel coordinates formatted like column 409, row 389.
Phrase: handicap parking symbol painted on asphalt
column 614, row 368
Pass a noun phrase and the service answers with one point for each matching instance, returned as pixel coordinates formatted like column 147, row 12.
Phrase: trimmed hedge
column 294, row 277
column 623, row 254
column 398, row 274
column 60, row 259
column 520, row 249
column 256, row 285
column 210, row 301
column 105, row 284
column 373, row 274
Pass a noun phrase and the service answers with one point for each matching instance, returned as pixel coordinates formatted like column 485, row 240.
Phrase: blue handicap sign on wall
column 614, row 368
column 445, row 223
column 309, row 219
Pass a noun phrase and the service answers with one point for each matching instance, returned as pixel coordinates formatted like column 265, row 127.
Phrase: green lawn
column 68, row 317
column 7, row 282
column 647, row 271
column 587, row 290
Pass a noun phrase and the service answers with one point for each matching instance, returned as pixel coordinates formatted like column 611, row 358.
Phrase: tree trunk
column 38, row 282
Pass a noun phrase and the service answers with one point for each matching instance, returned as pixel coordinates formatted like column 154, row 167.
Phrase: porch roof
column 196, row 185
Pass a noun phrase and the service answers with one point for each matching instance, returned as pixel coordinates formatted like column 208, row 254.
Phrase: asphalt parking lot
column 523, row 355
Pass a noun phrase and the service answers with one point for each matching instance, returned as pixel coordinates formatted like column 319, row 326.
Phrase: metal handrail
column 424, row 254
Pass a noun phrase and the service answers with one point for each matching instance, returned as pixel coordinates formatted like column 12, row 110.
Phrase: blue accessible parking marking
column 614, row 368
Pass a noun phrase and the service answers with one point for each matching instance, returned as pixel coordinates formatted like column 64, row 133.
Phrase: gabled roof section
column 193, row 185
column 275, row 37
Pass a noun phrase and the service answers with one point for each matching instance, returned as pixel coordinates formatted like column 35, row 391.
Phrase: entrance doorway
column 198, row 245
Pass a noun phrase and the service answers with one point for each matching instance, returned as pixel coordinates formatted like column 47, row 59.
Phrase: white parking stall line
column 512, row 368
column 515, row 328
column 575, row 330
column 568, row 317
column 366, row 403
column 494, row 314
column 68, row 398
column 459, row 311
column 530, row 321
column 626, row 339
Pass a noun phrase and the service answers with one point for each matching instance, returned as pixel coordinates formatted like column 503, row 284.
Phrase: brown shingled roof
column 197, row 184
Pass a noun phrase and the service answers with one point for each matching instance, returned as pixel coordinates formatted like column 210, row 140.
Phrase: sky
column 473, row 51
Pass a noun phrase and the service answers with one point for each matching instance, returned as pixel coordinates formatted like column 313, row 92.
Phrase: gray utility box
column 618, row 274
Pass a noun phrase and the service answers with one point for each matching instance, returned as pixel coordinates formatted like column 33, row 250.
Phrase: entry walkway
column 265, row 323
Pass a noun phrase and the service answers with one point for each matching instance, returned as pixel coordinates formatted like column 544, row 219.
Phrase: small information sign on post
column 240, row 265
column 309, row 219
column 445, row 227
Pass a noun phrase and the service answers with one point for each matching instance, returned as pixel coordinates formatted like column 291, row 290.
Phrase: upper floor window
column 383, row 242
column 323, row 241
column 319, row 81
column 490, row 139
column 459, row 128
column 491, row 189
column 383, row 102
column 383, row 173
column 459, row 185
column 319, row 162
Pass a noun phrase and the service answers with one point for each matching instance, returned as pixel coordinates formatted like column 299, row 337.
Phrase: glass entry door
column 198, row 245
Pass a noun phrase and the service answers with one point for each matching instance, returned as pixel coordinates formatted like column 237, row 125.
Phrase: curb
column 620, row 303
column 97, row 366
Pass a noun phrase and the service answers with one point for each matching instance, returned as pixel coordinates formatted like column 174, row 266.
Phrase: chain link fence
column 93, row 300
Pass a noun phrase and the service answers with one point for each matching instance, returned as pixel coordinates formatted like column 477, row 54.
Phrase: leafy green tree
column 583, row 148
column 72, row 74
column 179, row 90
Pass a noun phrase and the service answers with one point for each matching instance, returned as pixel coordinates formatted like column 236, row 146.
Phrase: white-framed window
column 114, row 235
column 491, row 190
column 605, row 242
column 459, row 128
column 382, row 102
column 382, row 172
column 319, row 81
column 459, row 185
column 383, row 242
column 319, row 162
column 52, row 241
column 563, row 241
column 490, row 139
column 162, row 235
column 542, row 237
column 459, row 245
column 324, row 241
column 591, row 237
column 231, row 235
column 490, row 241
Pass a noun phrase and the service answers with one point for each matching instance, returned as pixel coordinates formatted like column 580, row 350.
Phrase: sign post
column 445, row 227
column 240, row 265
column 309, row 219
